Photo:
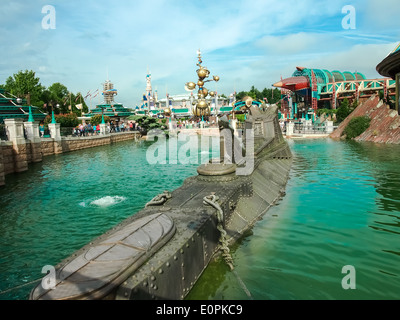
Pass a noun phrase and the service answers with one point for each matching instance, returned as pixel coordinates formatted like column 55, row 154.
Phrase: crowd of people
column 192, row 124
column 87, row 129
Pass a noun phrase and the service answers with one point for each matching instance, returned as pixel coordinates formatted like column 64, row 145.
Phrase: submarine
column 162, row 250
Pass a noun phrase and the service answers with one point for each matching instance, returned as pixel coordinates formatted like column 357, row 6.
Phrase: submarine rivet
column 187, row 245
column 167, row 264
column 155, row 288
column 145, row 284
column 183, row 264
column 181, row 251
column 183, row 278
column 153, row 278
column 126, row 294
column 151, row 285
column 175, row 258
column 192, row 239
column 160, row 271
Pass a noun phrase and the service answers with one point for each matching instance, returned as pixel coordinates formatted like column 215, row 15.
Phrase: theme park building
column 311, row 89
column 12, row 107
column 109, row 107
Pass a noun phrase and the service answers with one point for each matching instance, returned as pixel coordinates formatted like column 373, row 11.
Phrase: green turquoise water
column 342, row 207
column 60, row 204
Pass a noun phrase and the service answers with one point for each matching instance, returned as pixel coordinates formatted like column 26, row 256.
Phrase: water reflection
column 341, row 208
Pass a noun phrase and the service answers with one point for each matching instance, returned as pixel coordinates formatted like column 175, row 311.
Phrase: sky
column 246, row 43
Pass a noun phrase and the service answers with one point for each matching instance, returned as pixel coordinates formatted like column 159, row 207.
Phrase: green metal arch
column 349, row 75
column 329, row 75
column 360, row 76
column 339, row 76
column 321, row 76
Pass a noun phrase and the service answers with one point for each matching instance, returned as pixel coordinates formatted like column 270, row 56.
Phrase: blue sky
column 244, row 42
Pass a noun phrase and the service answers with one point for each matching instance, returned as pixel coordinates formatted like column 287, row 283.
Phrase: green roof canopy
column 183, row 110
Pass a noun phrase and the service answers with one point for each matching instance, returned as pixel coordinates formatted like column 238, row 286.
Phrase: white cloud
column 245, row 42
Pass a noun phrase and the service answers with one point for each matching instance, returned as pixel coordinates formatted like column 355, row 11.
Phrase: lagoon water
column 342, row 208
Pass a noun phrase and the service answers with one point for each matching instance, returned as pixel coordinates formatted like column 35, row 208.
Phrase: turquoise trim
column 30, row 119
column 53, row 119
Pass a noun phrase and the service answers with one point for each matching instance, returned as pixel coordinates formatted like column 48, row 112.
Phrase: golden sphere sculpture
column 202, row 104
column 190, row 85
column 202, row 73
column 202, row 107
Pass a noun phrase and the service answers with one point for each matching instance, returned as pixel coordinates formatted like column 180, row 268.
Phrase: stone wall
column 8, row 158
column 384, row 126
column 15, row 157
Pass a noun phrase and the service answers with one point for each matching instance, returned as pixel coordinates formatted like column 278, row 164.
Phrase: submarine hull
column 193, row 224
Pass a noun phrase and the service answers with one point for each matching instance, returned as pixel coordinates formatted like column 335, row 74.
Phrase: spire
column 53, row 119
column 30, row 119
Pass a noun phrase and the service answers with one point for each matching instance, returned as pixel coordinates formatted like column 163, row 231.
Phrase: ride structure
column 390, row 67
column 109, row 107
column 313, row 89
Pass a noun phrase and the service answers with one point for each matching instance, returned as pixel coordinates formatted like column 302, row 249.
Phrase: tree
column 78, row 99
column 343, row 111
column 272, row 95
column 240, row 95
column 57, row 94
column 354, row 105
column 146, row 123
column 25, row 84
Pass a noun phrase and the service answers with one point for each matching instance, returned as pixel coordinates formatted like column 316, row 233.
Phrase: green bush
column 65, row 120
column 356, row 126
column 146, row 123
column 328, row 112
column 96, row 119
column 240, row 117
column 343, row 111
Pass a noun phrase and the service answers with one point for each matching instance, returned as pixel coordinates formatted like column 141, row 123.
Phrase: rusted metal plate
column 101, row 268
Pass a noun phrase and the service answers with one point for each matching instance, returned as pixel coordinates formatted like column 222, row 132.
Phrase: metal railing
column 309, row 129
column 3, row 132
